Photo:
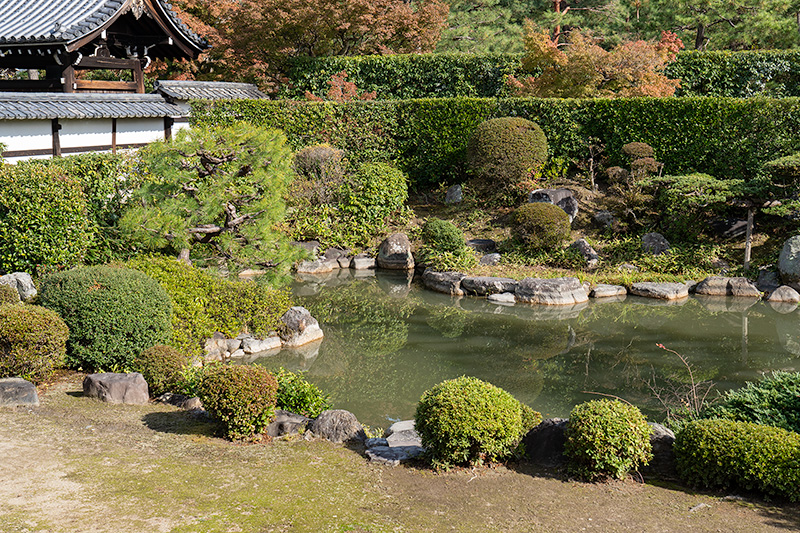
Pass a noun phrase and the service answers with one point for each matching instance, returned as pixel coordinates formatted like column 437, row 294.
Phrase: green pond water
column 388, row 340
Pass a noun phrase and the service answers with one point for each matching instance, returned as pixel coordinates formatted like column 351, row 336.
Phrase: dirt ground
column 77, row 465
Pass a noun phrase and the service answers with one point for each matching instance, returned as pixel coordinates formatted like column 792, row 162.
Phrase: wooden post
column 114, row 135
column 168, row 122
column 55, row 127
column 138, row 77
column 69, row 79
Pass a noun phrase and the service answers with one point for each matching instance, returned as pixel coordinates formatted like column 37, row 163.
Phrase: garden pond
column 388, row 340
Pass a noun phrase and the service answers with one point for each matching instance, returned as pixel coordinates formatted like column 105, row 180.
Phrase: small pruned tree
column 216, row 194
column 580, row 68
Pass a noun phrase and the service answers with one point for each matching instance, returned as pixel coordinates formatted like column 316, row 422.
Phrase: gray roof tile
column 208, row 90
column 26, row 106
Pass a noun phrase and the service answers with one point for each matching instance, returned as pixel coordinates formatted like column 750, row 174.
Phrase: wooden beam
column 30, row 85
column 72, row 150
column 102, row 85
column 107, row 62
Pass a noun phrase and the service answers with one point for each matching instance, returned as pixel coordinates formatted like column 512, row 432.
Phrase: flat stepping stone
column 485, row 285
column 362, row 262
column 318, row 266
column 608, row 291
column 660, row 291
column 17, row 392
column 444, row 282
column 723, row 286
column 556, row 291
column 393, row 455
column 502, row 298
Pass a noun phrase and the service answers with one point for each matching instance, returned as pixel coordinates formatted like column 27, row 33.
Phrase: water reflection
column 388, row 340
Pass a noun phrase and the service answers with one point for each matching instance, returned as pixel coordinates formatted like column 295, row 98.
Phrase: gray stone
column 789, row 262
column 344, row 262
column 237, row 354
column 784, row 294
column 216, row 348
column 312, row 247
column 544, row 444
column 338, row 425
column 490, row 259
column 722, row 286
column 301, row 328
column 115, row 387
column 362, row 262
column 372, row 442
column 17, row 392
column 482, row 246
column 563, row 198
column 663, row 462
column 654, row 243
column 233, row 344
column 660, row 291
column 316, row 267
column 253, row 345
column 502, row 298
column 393, row 456
column 556, row 291
column 608, row 291
column 485, row 285
column 604, row 218
column 395, row 253
column 22, row 282
column 444, row 282
column 585, row 249
column 454, row 195
column 286, row 423
column 401, row 425
column 334, row 254
column 402, row 434
column 768, row 280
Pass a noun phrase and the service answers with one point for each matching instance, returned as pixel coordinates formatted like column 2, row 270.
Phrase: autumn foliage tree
column 580, row 68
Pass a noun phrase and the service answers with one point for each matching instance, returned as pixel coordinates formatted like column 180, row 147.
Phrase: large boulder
column 113, row 387
column 663, row 462
column 395, row 253
column 300, row 328
column 338, row 425
column 444, row 282
column 556, row 291
column 454, row 195
column 402, row 443
column 723, row 286
column 544, row 444
column 654, row 243
column 784, row 294
column 563, row 198
column 485, row 285
column 17, row 392
column 660, row 291
column 22, row 282
column 789, row 262
column 286, row 423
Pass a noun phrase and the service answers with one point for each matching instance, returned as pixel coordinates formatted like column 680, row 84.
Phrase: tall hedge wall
column 724, row 137
column 715, row 73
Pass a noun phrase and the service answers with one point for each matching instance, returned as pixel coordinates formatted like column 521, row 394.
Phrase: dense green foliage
column 295, row 394
column 504, row 157
column 468, row 421
column 161, row 366
column 723, row 137
column 8, row 294
column 217, row 192
column 540, row 226
column 42, row 218
column 204, row 303
column 727, row 453
column 320, row 173
column 444, row 247
column 773, row 400
column 32, row 341
column 606, row 438
column 240, row 397
column 112, row 314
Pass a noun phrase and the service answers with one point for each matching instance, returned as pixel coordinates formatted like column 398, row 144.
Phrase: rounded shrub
column 606, row 438
column 297, row 395
column 320, row 168
column 443, row 236
column 161, row 366
column 240, row 397
column 8, row 294
column 32, row 341
column 726, row 453
column 468, row 421
column 503, row 154
column 112, row 313
column 541, row 226
column 373, row 193
column 530, row 418
column 638, row 150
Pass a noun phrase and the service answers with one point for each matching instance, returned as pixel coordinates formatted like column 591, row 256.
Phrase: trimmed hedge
column 726, row 453
column 32, row 341
column 725, row 137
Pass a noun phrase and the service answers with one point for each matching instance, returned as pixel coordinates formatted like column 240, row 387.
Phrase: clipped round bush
column 240, row 397
column 503, row 154
column 321, row 169
column 606, row 438
column 297, row 395
column 32, row 341
column 468, row 421
column 541, row 226
column 726, row 453
column 161, row 366
column 442, row 236
column 8, row 294
column 530, row 418
column 638, row 150
column 373, row 193
column 112, row 313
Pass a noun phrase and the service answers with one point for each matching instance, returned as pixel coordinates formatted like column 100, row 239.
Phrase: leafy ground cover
column 75, row 464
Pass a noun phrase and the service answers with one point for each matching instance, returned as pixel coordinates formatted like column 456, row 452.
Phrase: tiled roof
column 208, row 90
column 65, row 21
column 22, row 106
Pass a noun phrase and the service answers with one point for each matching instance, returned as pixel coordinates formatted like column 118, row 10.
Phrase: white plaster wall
column 26, row 134
column 86, row 132
column 139, row 130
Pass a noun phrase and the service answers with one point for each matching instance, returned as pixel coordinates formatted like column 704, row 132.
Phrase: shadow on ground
column 180, row 422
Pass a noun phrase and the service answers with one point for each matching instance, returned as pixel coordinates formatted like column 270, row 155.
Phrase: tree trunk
column 700, row 39
column 748, row 240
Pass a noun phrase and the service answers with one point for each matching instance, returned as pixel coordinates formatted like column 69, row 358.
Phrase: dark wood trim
column 138, row 77
column 107, row 62
column 73, row 150
column 114, row 135
column 68, row 75
column 103, row 85
column 168, row 122
column 55, row 126
column 181, row 120
column 30, row 85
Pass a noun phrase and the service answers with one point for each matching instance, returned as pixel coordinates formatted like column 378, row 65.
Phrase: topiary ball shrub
column 468, row 421
column 162, row 368
column 112, row 313
column 443, row 236
column 726, row 453
column 240, row 397
column 8, row 294
column 503, row 155
column 32, row 342
column 373, row 193
column 638, row 150
column 606, row 438
column 540, row 226
column 297, row 395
